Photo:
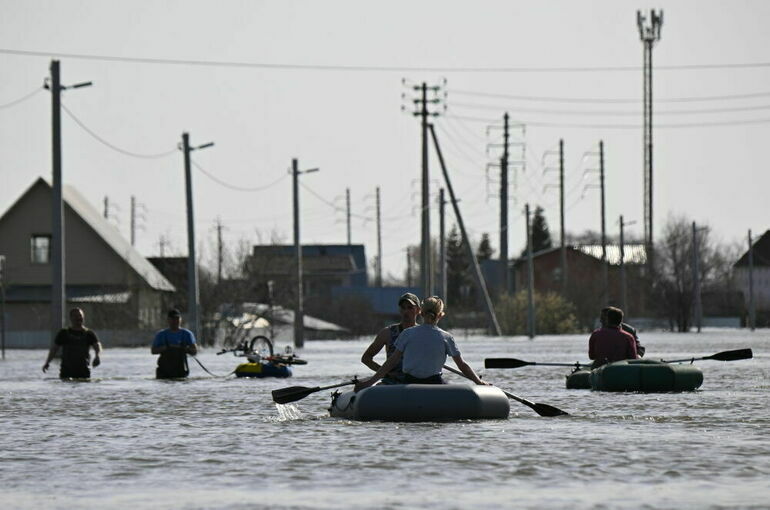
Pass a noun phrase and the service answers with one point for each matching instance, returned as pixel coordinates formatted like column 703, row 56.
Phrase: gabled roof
column 108, row 233
column 761, row 253
column 632, row 253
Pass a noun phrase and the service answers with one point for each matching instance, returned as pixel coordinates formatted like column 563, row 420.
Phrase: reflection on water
column 125, row 439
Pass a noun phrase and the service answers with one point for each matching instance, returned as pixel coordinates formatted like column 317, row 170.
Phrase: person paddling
column 76, row 342
column 628, row 328
column 409, row 309
column 424, row 350
column 610, row 343
column 173, row 344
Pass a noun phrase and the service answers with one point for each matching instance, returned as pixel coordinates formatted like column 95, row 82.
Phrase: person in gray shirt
column 424, row 350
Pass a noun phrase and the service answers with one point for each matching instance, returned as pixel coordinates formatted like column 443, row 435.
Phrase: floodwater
column 125, row 440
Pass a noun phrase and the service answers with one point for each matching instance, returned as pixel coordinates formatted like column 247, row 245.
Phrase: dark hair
column 614, row 316
column 173, row 313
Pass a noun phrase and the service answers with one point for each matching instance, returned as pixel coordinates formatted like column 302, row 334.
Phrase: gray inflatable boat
column 421, row 402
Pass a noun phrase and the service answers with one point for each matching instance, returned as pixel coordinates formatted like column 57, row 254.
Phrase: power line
column 111, row 146
column 360, row 68
column 331, row 204
column 237, row 188
column 553, row 99
column 617, row 126
column 630, row 113
column 21, row 99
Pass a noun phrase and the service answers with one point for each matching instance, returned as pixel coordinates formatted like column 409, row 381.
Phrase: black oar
column 541, row 409
column 294, row 393
column 720, row 356
column 516, row 363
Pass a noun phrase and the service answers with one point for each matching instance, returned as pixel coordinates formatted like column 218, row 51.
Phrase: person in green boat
column 409, row 309
column 625, row 327
column 424, row 350
column 610, row 343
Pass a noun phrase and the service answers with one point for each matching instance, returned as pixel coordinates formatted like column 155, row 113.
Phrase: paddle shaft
column 541, row 409
column 516, row 363
column 294, row 393
column 720, row 356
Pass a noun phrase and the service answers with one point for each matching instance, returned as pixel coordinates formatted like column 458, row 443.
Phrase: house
column 324, row 266
column 119, row 290
column 760, row 275
column 585, row 277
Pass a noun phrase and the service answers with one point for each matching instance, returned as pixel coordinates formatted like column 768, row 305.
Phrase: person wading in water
column 75, row 342
column 409, row 308
column 173, row 344
column 424, row 350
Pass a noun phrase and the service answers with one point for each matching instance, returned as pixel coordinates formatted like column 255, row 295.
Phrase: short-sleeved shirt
column 75, row 344
column 425, row 348
column 607, row 345
column 180, row 337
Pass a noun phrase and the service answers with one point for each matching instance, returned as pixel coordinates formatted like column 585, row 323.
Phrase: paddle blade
column 546, row 410
column 732, row 355
column 504, row 363
column 292, row 394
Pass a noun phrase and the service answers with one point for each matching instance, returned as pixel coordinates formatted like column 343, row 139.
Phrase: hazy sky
column 496, row 56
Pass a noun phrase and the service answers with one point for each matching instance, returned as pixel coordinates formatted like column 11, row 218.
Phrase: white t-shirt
column 425, row 348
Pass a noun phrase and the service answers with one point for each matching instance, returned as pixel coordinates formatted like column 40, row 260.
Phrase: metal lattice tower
column 649, row 33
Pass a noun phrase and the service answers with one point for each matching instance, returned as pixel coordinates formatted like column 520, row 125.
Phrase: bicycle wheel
column 261, row 345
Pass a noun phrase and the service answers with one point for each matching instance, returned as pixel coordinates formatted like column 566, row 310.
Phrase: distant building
column 761, row 273
column 585, row 276
column 120, row 291
column 324, row 266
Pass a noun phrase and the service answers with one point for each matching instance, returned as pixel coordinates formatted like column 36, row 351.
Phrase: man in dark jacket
column 75, row 342
column 610, row 343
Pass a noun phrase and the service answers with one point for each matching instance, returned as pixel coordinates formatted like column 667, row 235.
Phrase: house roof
column 632, row 253
column 761, row 252
column 109, row 234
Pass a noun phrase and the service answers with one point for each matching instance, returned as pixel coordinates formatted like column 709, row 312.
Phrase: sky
column 331, row 84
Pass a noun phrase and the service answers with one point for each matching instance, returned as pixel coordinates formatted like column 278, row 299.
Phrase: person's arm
column 467, row 370
column 158, row 347
column 632, row 354
column 367, row 358
column 97, row 346
column 192, row 347
column 51, row 354
column 381, row 372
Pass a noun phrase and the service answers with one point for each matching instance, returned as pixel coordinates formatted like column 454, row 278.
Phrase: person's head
column 432, row 309
column 174, row 318
column 614, row 317
column 408, row 308
column 77, row 317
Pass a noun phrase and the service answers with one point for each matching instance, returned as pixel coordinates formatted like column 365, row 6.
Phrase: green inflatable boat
column 642, row 375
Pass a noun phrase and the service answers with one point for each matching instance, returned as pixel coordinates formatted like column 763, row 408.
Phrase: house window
column 40, row 252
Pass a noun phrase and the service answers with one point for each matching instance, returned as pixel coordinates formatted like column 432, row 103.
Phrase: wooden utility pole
column 442, row 246
column 752, row 311
column 219, row 250
column 193, row 294
column 494, row 326
column 347, row 208
column 696, row 279
column 299, row 313
column 561, row 213
column 378, row 273
column 530, row 279
column 58, row 271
